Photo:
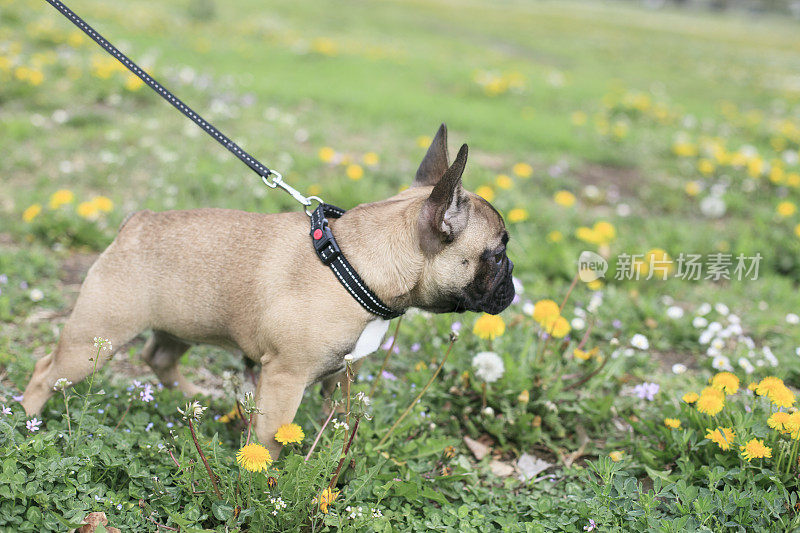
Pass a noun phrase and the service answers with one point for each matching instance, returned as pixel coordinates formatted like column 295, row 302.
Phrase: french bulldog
column 253, row 282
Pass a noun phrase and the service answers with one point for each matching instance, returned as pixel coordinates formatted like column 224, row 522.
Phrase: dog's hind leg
column 73, row 357
column 162, row 353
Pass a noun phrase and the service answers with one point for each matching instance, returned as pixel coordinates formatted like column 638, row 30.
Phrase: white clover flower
column 722, row 309
column 720, row 362
column 734, row 319
column 712, row 352
column 640, row 341
column 718, row 344
column 797, row 351
column 61, row 384
column 527, row 308
column 678, row 368
column 488, row 366
column 792, row 319
column 699, row 322
column 712, row 206
column 746, row 365
column 488, row 411
column 578, row 323
column 769, row 356
column 674, row 312
column 192, row 411
column 715, row 327
column 595, row 302
column 704, row 309
column 748, row 341
column 36, row 295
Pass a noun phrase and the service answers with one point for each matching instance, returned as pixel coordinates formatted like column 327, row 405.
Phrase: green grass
column 285, row 79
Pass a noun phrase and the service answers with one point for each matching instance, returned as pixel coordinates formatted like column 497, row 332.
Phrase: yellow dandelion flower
column 792, row 425
column 776, row 391
column 61, row 197
column 692, row 188
column 585, row 355
column 31, row 212
column 578, row 118
column 564, row 198
column 423, row 141
column 133, row 83
column 755, row 449
column 673, row 423
column 782, row 397
column 705, row 167
column 616, row 455
column 722, row 436
column 503, row 181
column 726, row 382
column 326, row 154
column 752, row 386
column 786, row 209
column 103, row 203
column 370, row 159
column 779, row 420
column 543, row 310
column 485, row 192
column 420, row 366
column 518, row 214
column 690, row 397
column 605, row 230
column 87, row 210
column 523, row 170
column 230, row 416
column 354, row 172
column 557, row 326
column 793, row 179
column 489, row 326
column 324, row 46
column 326, row 498
column 524, row 396
column 555, row 236
column 595, row 285
column 709, row 403
column 684, row 149
column 289, row 434
column 253, row 457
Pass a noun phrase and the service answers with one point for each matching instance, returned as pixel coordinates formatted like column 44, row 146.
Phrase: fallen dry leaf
column 478, row 449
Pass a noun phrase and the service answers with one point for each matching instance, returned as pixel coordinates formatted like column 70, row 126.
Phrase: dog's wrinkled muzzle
column 503, row 294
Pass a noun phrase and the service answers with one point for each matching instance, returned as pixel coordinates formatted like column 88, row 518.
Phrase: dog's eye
column 498, row 258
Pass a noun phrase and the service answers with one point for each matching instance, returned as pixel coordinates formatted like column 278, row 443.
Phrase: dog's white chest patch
column 370, row 338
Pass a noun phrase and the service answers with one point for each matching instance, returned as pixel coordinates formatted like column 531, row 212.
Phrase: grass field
column 642, row 136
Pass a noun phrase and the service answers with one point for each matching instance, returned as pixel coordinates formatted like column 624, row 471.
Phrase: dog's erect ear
column 435, row 162
column 446, row 211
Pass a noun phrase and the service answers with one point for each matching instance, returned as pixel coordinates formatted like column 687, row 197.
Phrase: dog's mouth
column 494, row 301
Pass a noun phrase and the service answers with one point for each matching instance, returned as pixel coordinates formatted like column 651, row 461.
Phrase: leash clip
column 277, row 181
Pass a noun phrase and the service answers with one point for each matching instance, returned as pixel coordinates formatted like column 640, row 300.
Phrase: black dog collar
column 329, row 253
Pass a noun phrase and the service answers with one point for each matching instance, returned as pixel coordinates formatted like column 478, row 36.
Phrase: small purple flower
column 388, row 344
column 5, row 410
column 18, row 398
column 415, row 347
column 33, row 424
column 591, row 526
column 3, row 279
column 617, row 324
column 456, row 327
column 23, row 285
column 388, row 375
column 149, row 427
column 146, row 394
column 646, row 391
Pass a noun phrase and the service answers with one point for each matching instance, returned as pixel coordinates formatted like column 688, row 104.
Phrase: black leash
column 234, row 148
column 325, row 245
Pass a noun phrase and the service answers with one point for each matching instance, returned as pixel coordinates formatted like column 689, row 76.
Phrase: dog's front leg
column 278, row 395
